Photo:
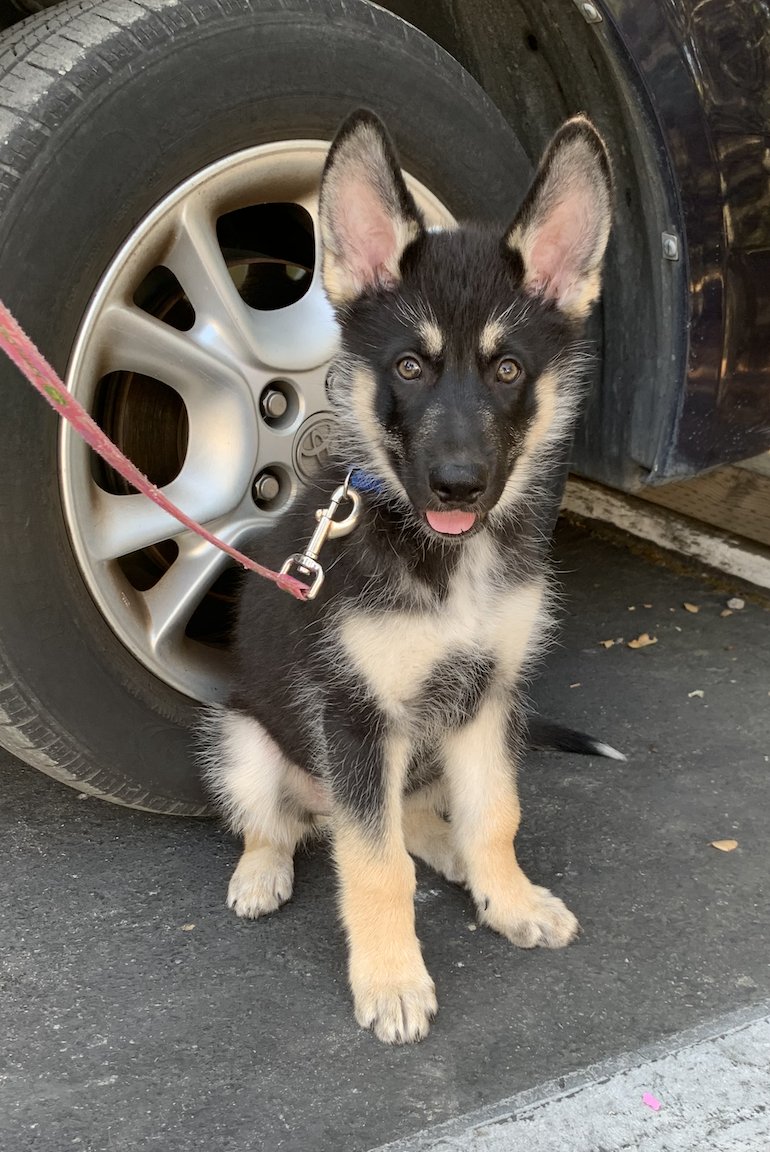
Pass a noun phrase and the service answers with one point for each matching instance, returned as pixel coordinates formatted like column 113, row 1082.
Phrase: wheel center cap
column 311, row 445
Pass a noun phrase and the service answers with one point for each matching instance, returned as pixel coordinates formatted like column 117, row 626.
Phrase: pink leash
column 19, row 348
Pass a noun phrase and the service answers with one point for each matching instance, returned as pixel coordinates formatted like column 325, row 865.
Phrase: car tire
column 105, row 108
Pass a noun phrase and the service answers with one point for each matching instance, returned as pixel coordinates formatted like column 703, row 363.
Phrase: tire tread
column 30, row 739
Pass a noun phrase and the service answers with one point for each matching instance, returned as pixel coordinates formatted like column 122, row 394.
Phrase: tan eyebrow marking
column 432, row 337
column 492, row 336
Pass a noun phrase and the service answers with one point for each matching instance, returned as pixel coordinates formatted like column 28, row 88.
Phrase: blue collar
column 366, row 482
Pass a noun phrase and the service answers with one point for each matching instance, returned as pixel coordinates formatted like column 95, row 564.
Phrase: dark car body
column 705, row 65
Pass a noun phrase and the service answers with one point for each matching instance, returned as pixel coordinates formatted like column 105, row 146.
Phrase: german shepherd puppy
column 388, row 711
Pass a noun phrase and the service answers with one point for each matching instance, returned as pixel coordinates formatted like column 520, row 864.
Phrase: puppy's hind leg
column 263, row 879
column 247, row 772
column 428, row 834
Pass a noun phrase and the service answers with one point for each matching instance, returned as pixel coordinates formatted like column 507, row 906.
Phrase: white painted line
column 714, row 1095
column 668, row 530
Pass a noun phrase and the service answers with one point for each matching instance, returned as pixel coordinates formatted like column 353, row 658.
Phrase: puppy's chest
column 450, row 654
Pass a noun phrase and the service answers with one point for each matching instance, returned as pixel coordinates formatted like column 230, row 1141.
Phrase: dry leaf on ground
column 642, row 641
column 724, row 845
column 736, row 603
column 697, row 692
column 607, row 643
column 691, row 607
column 726, row 612
column 187, row 927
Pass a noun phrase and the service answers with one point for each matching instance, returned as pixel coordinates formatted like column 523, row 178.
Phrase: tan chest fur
column 396, row 652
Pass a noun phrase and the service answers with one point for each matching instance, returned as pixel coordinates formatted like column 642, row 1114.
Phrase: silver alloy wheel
column 190, row 355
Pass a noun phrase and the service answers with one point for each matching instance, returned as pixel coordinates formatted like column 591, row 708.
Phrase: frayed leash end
column 293, row 586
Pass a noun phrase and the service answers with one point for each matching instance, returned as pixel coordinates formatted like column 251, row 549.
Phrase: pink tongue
column 451, row 523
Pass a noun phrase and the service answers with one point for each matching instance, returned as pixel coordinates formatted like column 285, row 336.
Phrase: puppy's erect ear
column 562, row 227
column 367, row 215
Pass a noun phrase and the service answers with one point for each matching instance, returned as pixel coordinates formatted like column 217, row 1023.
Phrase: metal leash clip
column 306, row 563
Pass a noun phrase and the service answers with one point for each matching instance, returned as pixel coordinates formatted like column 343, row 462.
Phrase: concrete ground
column 138, row 1013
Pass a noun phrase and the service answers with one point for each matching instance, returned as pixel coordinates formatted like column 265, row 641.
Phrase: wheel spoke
column 123, row 524
column 172, row 601
column 303, row 335
column 132, row 340
column 221, row 317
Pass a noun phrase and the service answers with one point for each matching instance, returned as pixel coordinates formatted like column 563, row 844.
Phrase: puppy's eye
column 409, row 368
column 508, row 371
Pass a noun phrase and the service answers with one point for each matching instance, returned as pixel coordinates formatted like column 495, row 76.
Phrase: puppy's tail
column 545, row 735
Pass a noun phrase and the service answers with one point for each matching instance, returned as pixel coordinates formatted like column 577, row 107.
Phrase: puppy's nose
column 458, row 483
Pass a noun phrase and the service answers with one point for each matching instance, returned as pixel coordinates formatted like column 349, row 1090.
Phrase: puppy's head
column 460, row 354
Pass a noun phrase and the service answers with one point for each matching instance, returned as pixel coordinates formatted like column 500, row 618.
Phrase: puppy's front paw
column 262, row 882
column 399, row 1011
column 538, row 919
